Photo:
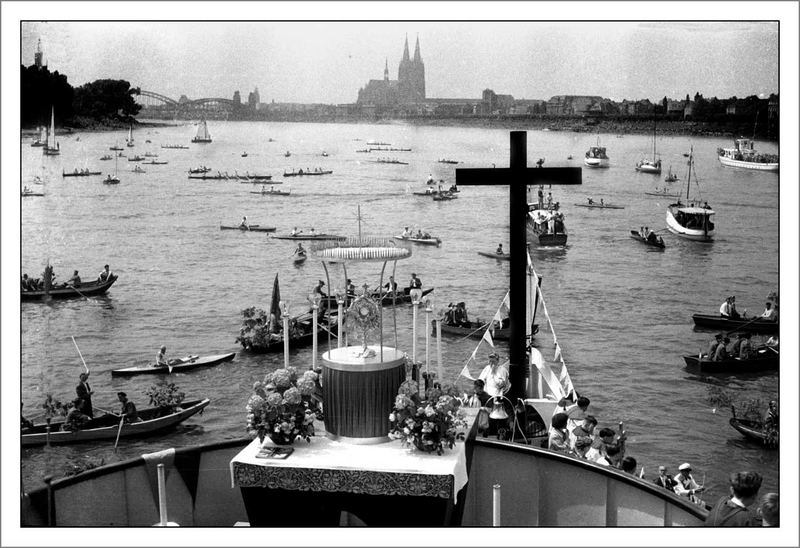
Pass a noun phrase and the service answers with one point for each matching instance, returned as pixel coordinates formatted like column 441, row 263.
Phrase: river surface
column 621, row 312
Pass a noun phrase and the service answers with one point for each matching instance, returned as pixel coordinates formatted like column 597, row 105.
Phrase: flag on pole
column 486, row 337
column 465, row 372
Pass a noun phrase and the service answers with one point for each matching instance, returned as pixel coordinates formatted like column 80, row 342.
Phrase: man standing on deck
column 415, row 288
column 495, row 376
column 84, row 393
column 733, row 511
column 686, row 486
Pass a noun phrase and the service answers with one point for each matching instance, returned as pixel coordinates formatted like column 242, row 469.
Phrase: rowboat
column 422, row 241
column 304, row 336
column 443, row 196
column 766, row 359
column 273, row 191
column 495, row 255
column 475, row 331
column 446, row 161
column 108, row 426
column 310, row 237
column 86, row 289
column 29, row 192
column 251, row 228
column 301, row 173
column 753, row 430
column 388, row 299
column 664, row 193
column 300, row 259
column 600, row 206
column 78, row 173
column 657, row 241
column 156, row 162
column 187, row 363
column 754, row 325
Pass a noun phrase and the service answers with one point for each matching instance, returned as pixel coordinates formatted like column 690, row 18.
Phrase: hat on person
column 684, row 466
column 494, row 355
column 321, row 282
column 413, row 274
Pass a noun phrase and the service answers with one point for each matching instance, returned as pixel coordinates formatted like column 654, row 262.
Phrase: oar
column 119, row 430
column 742, row 326
column 79, row 353
column 106, row 411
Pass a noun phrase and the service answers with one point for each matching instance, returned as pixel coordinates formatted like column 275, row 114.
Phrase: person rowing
column 161, row 357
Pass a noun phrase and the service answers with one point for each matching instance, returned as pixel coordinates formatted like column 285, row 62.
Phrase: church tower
column 386, row 71
column 38, row 55
column 418, row 86
column 411, row 76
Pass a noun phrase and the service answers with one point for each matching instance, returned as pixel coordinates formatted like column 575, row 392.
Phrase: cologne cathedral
column 409, row 87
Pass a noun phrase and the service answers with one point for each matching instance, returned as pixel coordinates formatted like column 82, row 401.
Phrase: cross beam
column 517, row 177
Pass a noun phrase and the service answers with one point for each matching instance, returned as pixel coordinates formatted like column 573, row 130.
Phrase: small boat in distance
column 663, row 192
column 652, row 239
column 591, row 204
column 596, row 156
column 301, row 172
column 203, row 136
column 422, row 240
column 112, row 179
column 52, row 147
column 723, row 323
column 495, row 255
column 446, row 161
column 244, row 155
column 41, row 140
column 201, row 169
column 287, row 153
column 671, row 177
column 272, row 191
column 753, row 431
column 129, row 140
column 249, row 228
column 178, row 365
column 690, row 221
column 743, row 155
column 174, row 146
column 80, row 172
column 653, row 164
column 28, row 192
column 390, row 161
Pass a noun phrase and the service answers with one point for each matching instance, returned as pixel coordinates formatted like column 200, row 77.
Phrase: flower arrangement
column 53, row 408
column 282, row 406
column 167, row 397
column 428, row 424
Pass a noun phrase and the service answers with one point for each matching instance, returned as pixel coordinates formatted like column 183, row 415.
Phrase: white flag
column 488, row 338
column 465, row 372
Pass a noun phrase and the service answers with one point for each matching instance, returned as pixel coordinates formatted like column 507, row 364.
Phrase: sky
column 327, row 62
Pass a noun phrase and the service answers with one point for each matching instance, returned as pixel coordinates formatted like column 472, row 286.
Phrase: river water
column 622, row 313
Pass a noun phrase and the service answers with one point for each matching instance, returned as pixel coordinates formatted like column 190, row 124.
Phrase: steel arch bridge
column 207, row 106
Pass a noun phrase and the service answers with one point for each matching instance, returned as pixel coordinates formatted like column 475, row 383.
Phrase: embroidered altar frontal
column 359, row 389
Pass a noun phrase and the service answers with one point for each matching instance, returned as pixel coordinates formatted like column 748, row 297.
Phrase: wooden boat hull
column 552, row 239
column 759, row 166
column 695, row 234
column 310, row 237
column 638, row 237
column 107, row 426
column 726, row 324
column 595, row 162
column 475, row 331
column 85, row 174
column 300, row 260
column 271, row 193
column 601, row 206
column 765, row 360
column 306, row 339
column 306, row 173
column 188, row 363
column 498, row 256
column 421, row 241
column 387, row 300
column 26, row 194
column 87, row 289
column 250, row 229
column 664, row 194
column 751, row 430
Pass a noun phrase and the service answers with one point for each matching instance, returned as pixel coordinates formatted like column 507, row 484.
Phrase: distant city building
column 253, row 99
column 409, row 88
column 237, row 98
column 38, row 56
column 574, row 105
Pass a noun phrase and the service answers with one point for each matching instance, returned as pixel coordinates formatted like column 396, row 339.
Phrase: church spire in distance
column 417, row 56
column 386, row 70
column 406, row 56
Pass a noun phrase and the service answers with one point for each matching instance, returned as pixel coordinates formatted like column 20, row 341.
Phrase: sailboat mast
column 689, row 177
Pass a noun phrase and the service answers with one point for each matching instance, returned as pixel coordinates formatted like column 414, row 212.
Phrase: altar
column 384, row 485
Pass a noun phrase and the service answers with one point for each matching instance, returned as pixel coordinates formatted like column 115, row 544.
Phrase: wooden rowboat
column 600, row 206
column 495, row 255
column 752, row 430
column 310, row 237
column 80, row 173
column 475, row 330
column 766, row 359
column 181, row 365
column 107, row 426
column 251, row 228
column 655, row 243
column 86, row 289
column 423, row 241
column 272, row 192
column 300, row 259
column 754, row 325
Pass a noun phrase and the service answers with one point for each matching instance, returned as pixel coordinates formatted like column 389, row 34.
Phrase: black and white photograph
column 451, row 273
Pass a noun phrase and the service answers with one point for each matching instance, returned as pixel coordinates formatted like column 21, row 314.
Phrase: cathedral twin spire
column 417, row 55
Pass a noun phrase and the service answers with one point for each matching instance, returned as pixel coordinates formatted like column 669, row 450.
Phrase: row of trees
column 105, row 102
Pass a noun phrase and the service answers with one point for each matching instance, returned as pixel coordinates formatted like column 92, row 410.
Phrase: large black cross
column 518, row 176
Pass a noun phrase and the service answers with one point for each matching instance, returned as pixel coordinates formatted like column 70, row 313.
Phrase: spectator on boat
column 583, row 449
column 495, row 376
column 295, row 232
column 665, row 480
column 350, row 289
column 557, row 436
column 612, row 456
column 406, row 232
column 76, row 418
column 84, row 392
column 769, row 509
column 732, row 348
column 128, row 410
column 24, row 423
column 300, row 249
column 75, row 280
column 430, row 180
column 549, row 199
column 603, row 203
column 585, row 430
column 734, row 510
column 499, row 249
column 721, row 352
column 577, row 411
column 460, row 316
column 415, row 288
column 161, row 357
column 105, row 274
column 391, row 285
column 728, row 308
column 770, row 314
column 607, row 439
column 745, row 347
column 448, row 316
column 312, row 231
column 479, row 396
column 712, row 347
column 318, row 290
column 685, row 484
column 628, row 464
column 591, row 201
column 771, row 425
column 244, row 223
column 27, row 283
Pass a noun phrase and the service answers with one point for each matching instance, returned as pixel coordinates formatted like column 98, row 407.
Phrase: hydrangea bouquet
column 283, row 406
column 428, row 424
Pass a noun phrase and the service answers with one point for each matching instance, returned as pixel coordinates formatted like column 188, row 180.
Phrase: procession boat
column 107, row 427
column 422, row 241
column 546, row 227
column 304, row 335
column 445, row 161
column 180, row 365
column 86, row 289
column 385, row 161
column 259, row 181
column 301, row 173
column 766, row 359
column 136, row 158
column 743, row 155
column 116, row 147
column 690, row 222
column 106, row 157
column 475, row 330
column 202, row 169
column 203, row 136
column 495, row 255
column 218, row 176
column 387, row 299
column 658, row 243
column 433, row 192
column 754, row 325
column 302, row 236
column 77, row 173
column 200, row 494
column 156, row 162
column 601, row 206
column 596, row 156
column 250, row 228
column 752, row 430
column 272, row 192
column 389, row 149
column 671, row 177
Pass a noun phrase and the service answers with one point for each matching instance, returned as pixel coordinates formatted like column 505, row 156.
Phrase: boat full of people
column 744, row 155
column 691, row 221
column 596, row 156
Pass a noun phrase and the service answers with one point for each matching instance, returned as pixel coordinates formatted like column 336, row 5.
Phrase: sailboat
column 650, row 165
column 112, row 179
column 41, row 140
column 52, row 148
column 203, row 136
column 690, row 221
column 596, row 156
column 671, row 177
column 129, row 141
